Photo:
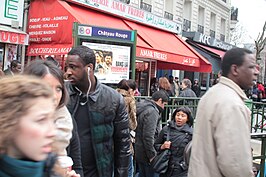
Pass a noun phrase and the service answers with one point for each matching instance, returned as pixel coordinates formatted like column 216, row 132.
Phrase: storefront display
column 51, row 34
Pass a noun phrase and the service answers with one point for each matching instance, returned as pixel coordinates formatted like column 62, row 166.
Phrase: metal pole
column 25, row 20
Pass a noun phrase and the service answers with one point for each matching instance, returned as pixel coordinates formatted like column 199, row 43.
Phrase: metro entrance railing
column 257, row 123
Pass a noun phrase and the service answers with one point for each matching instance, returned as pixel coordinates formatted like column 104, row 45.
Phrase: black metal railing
column 186, row 25
column 222, row 37
column 212, row 33
column 168, row 15
column 146, row 7
column 201, row 29
column 258, row 120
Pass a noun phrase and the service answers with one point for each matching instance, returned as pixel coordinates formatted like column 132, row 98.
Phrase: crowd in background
column 106, row 133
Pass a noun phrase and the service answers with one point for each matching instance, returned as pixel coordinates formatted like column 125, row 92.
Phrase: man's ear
column 234, row 69
column 89, row 67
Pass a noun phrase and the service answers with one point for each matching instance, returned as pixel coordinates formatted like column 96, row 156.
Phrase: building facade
column 12, row 37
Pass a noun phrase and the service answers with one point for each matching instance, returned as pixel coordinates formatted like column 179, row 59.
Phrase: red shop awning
column 170, row 50
column 50, row 28
column 213, row 50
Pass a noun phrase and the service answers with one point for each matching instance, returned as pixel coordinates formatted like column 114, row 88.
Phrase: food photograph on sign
column 112, row 62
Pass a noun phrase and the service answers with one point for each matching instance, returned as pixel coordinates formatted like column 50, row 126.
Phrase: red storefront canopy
column 213, row 50
column 170, row 50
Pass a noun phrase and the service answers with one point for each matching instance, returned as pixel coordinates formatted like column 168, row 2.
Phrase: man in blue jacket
column 101, row 117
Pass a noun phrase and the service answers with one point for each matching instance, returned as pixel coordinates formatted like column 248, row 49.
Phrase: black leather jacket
column 109, row 128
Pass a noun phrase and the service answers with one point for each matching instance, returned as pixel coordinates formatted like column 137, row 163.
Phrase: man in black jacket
column 101, row 117
column 148, row 118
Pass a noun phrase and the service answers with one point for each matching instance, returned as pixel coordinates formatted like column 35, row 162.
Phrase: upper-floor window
column 222, row 37
column 212, row 24
column 168, row 13
column 234, row 13
column 213, row 21
column 187, row 10
column 201, row 15
column 125, row 1
column 223, row 25
column 186, row 25
column 212, row 33
column 201, row 18
column 200, row 29
column 145, row 6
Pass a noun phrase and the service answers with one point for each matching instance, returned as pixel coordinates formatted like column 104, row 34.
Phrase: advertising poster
column 112, row 62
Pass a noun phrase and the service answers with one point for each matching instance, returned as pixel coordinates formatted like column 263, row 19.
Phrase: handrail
column 262, row 137
column 258, row 119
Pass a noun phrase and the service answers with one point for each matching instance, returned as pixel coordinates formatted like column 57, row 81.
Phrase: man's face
column 247, row 72
column 108, row 60
column 161, row 103
column 76, row 71
column 16, row 69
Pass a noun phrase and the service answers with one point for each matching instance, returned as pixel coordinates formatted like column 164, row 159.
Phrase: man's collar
column 94, row 95
column 228, row 82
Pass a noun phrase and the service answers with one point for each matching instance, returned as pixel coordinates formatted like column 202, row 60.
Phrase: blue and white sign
column 105, row 33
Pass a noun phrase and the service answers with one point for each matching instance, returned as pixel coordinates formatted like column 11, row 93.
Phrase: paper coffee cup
column 65, row 162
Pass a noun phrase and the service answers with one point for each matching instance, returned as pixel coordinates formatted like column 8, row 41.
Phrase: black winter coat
column 147, row 131
column 73, row 150
column 179, row 137
column 108, row 127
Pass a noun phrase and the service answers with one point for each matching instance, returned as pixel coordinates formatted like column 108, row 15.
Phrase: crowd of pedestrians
column 107, row 133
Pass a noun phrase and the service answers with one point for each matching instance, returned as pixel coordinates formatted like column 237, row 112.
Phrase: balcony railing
column 145, row 6
column 168, row 15
column 201, row 29
column 125, row 1
column 222, row 37
column 186, row 25
column 212, row 33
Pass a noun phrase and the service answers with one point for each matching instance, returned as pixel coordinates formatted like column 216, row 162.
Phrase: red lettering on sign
column 13, row 38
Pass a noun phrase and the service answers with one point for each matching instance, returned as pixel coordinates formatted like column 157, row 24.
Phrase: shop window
column 142, row 76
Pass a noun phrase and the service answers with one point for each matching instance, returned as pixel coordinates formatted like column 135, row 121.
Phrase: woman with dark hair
column 180, row 134
column 66, row 135
column 127, row 88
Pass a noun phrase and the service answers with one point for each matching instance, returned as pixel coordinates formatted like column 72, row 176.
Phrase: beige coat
column 221, row 139
column 64, row 126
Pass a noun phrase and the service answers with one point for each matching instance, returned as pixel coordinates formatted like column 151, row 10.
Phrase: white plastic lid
column 65, row 161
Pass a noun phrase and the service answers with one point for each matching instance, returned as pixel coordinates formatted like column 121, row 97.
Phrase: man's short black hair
column 233, row 56
column 160, row 94
column 85, row 53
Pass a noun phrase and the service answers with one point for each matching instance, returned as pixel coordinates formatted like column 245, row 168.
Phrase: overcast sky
column 252, row 14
